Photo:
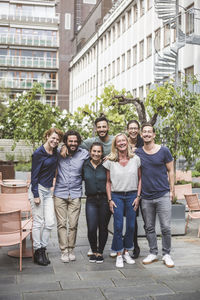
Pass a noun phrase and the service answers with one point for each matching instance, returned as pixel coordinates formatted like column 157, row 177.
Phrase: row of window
column 27, row 31
column 27, row 10
column 28, row 75
column 28, row 53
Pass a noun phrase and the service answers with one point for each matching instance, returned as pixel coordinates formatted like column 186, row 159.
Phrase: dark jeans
column 97, row 216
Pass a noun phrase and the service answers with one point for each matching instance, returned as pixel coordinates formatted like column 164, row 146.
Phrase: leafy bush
column 197, row 166
column 196, row 185
column 24, row 167
column 195, row 173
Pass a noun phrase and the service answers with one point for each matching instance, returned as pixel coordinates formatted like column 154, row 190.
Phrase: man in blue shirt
column 68, row 192
column 157, row 166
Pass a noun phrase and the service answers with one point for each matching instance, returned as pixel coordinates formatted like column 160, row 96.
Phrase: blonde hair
column 51, row 131
column 113, row 156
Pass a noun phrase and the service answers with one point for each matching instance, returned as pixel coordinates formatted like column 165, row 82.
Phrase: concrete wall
column 21, row 152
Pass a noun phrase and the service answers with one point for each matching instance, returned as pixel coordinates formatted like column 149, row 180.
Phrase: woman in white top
column 123, row 189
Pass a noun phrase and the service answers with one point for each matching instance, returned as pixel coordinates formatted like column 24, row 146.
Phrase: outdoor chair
column 193, row 209
column 13, row 189
column 12, row 232
column 19, row 202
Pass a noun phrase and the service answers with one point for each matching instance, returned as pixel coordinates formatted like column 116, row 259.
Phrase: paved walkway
column 82, row 280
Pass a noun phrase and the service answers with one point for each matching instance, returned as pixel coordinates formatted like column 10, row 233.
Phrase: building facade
column 29, row 43
column 139, row 43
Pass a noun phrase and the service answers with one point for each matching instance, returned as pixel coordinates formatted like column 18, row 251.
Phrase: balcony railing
column 25, row 83
column 28, row 62
column 28, row 40
column 30, row 19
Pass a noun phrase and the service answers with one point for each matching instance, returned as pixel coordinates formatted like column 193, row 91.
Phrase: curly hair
column 71, row 132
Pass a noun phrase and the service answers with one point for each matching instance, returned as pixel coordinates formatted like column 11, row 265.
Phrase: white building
column 138, row 44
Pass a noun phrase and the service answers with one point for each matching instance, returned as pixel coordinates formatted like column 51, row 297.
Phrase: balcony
column 25, row 83
column 30, row 19
column 28, row 40
column 28, row 62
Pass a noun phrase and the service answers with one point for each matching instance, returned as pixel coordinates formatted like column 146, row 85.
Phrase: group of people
column 121, row 173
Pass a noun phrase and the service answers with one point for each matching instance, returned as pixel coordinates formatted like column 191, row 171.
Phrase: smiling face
column 121, row 143
column 102, row 129
column 53, row 140
column 133, row 130
column 148, row 135
column 72, row 143
column 96, row 153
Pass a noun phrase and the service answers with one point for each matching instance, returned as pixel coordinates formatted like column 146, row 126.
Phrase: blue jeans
column 161, row 207
column 123, row 201
column 43, row 217
column 97, row 216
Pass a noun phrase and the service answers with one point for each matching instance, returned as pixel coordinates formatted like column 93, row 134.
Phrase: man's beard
column 71, row 151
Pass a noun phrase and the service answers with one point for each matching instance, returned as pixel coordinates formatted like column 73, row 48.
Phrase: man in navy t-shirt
column 157, row 166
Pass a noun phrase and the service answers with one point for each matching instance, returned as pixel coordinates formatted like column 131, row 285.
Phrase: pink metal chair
column 194, row 209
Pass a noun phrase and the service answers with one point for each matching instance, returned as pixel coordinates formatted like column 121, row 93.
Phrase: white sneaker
column 72, row 256
column 64, row 257
column 128, row 259
column 113, row 254
column 150, row 259
column 168, row 261
column 119, row 261
column 90, row 252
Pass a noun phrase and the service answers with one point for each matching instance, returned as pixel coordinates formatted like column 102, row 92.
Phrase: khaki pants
column 67, row 210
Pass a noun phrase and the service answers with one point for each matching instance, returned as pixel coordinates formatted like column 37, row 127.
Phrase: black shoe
column 136, row 252
column 99, row 259
column 39, row 258
column 92, row 258
column 45, row 256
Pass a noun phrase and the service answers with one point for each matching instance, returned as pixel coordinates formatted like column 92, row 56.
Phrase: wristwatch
column 139, row 197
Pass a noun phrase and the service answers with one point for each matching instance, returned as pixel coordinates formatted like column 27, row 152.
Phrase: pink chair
column 194, row 209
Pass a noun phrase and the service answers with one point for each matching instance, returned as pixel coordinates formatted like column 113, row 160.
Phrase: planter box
column 177, row 222
column 7, row 170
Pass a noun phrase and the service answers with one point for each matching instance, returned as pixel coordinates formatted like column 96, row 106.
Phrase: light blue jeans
column 43, row 217
column 161, row 207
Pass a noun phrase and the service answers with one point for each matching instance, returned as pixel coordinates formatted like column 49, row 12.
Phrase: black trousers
column 97, row 217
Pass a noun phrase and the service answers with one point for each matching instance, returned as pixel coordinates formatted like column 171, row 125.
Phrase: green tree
column 178, row 125
column 26, row 118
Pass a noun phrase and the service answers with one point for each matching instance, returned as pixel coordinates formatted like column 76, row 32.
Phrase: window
column 166, row 35
column 105, row 74
column 141, row 8
column 190, row 20
column 135, row 13
column 149, row 4
column 123, row 24
column 149, row 45
column 157, row 40
column 109, row 71
column 67, row 21
column 141, row 54
column 135, row 55
column 104, row 42
column 148, row 86
column 128, row 59
column 118, row 65
column 134, row 93
column 101, row 42
column 113, row 33
column 189, row 73
column 129, row 18
column 113, row 69
column 101, row 77
column 89, row 1
column 118, row 29
column 141, row 92
column 123, row 62
column 109, row 38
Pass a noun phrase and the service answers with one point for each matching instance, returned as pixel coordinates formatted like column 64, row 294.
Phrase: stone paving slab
column 181, row 296
column 131, row 292
column 87, row 294
column 81, row 280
